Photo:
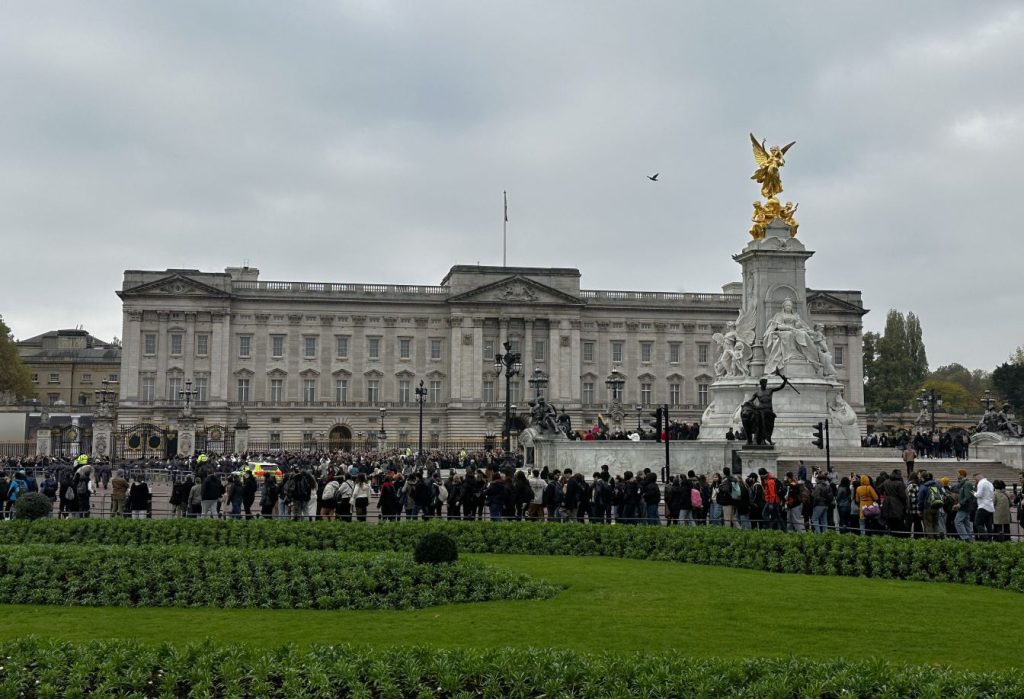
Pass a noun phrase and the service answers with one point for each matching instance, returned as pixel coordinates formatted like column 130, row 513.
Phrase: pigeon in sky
column 654, row 177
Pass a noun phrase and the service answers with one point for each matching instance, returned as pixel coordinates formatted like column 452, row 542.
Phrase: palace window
column 202, row 389
column 341, row 390
column 673, row 352
column 588, row 351
column 488, row 395
column 702, row 352
column 514, row 391
column 588, row 393
column 404, row 348
column 276, row 390
column 341, row 346
column 244, row 346
column 646, row 350
column 54, row 378
column 176, row 343
column 243, row 390
column 275, row 440
column 373, row 348
column 309, row 390
column 645, row 394
column 372, row 391
column 488, row 350
column 277, row 346
column 174, row 388
column 434, row 391
column 435, row 349
column 202, row 345
column 702, row 395
column 674, row 394
column 404, row 391
column 839, row 355
column 149, row 344
column 309, row 347
column 148, row 389
column 538, row 350
column 617, row 351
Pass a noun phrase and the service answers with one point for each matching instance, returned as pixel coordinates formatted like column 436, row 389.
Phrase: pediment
column 824, row 302
column 174, row 285
column 516, row 290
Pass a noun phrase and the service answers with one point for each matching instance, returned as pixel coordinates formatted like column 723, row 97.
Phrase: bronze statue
column 763, row 420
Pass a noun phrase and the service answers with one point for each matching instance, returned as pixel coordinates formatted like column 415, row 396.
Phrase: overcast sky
column 371, row 141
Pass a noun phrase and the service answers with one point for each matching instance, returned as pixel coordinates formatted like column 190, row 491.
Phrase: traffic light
column 656, row 423
column 819, row 435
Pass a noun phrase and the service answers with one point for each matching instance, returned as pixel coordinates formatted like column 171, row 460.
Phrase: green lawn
column 624, row 605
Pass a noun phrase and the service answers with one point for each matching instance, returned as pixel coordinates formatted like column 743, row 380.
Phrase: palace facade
column 312, row 362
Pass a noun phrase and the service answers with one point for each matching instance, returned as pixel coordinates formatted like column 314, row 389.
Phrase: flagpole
column 504, row 234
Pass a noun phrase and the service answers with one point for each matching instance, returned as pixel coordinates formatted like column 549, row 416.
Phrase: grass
column 618, row 605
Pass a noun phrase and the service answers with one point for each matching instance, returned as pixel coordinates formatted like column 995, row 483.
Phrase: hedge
column 180, row 576
column 34, row 669
column 988, row 564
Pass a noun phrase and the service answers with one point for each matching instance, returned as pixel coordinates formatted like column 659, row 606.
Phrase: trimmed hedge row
column 189, row 576
column 993, row 565
column 34, row 669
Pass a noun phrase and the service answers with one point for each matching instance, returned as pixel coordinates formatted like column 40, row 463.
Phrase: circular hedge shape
column 32, row 506
column 436, row 547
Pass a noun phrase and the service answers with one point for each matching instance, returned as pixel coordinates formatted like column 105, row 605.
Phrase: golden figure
column 769, row 162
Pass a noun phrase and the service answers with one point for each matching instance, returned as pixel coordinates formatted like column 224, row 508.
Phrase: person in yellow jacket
column 866, row 496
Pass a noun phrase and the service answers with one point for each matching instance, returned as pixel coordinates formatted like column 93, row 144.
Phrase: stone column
column 103, row 435
column 43, row 434
column 131, row 355
column 500, row 349
column 241, row 434
column 555, row 393
column 187, row 436
column 162, row 354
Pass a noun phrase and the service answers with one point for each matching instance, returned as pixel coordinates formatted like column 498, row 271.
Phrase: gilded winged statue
column 769, row 162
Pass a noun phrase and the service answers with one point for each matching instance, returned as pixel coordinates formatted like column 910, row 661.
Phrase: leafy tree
column 976, row 382
column 955, row 397
column 15, row 380
column 870, row 357
column 915, row 348
column 893, row 384
column 1008, row 382
column 1018, row 356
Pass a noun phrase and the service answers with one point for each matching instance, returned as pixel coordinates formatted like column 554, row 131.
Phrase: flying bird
column 654, row 177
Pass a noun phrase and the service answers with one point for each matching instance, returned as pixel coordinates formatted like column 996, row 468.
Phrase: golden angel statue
column 769, row 162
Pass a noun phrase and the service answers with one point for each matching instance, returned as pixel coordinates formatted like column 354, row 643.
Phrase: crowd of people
column 952, row 444
column 482, row 485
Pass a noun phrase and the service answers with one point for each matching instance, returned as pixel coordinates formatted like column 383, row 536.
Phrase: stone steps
column 937, row 467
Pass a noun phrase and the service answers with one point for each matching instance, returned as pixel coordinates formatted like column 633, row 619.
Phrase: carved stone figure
column 827, row 366
column 841, row 412
column 735, row 344
column 787, row 338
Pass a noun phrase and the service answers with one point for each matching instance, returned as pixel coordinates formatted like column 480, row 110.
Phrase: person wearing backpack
column 685, row 491
column 741, row 502
column 553, row 498
column 772, row 514
column 15, row 489
column 755, row 494
column 728, row 494
column 930, row 502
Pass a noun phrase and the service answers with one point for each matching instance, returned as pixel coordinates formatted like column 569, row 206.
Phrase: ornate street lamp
column 639, row 409
column 187, row 394
column 929, row 401
column 988, row 401
column 421, row 398
column 615, row 381
column 512, row 365
column 382, row 436
column 539, row 382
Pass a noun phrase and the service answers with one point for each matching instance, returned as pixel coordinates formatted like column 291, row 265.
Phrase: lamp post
column 639, row 409
column 988, row 401
column 382, row 436
column 929, row 401
column 512, row 365
column 421, row 398
column 187, row 394
column 615, row 381
column 539, row 382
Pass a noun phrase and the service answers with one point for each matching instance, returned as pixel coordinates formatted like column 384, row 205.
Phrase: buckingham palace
column 316, row 361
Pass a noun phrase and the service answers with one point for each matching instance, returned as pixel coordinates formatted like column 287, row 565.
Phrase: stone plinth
column 989, row 446
column 187, row 435
column 102, row 436
column 754, row 457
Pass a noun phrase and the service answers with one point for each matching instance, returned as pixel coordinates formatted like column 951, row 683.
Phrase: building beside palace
column 68, row 366
column 314, row 362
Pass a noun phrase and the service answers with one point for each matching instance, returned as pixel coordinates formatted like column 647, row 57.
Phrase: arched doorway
column 340, row 438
